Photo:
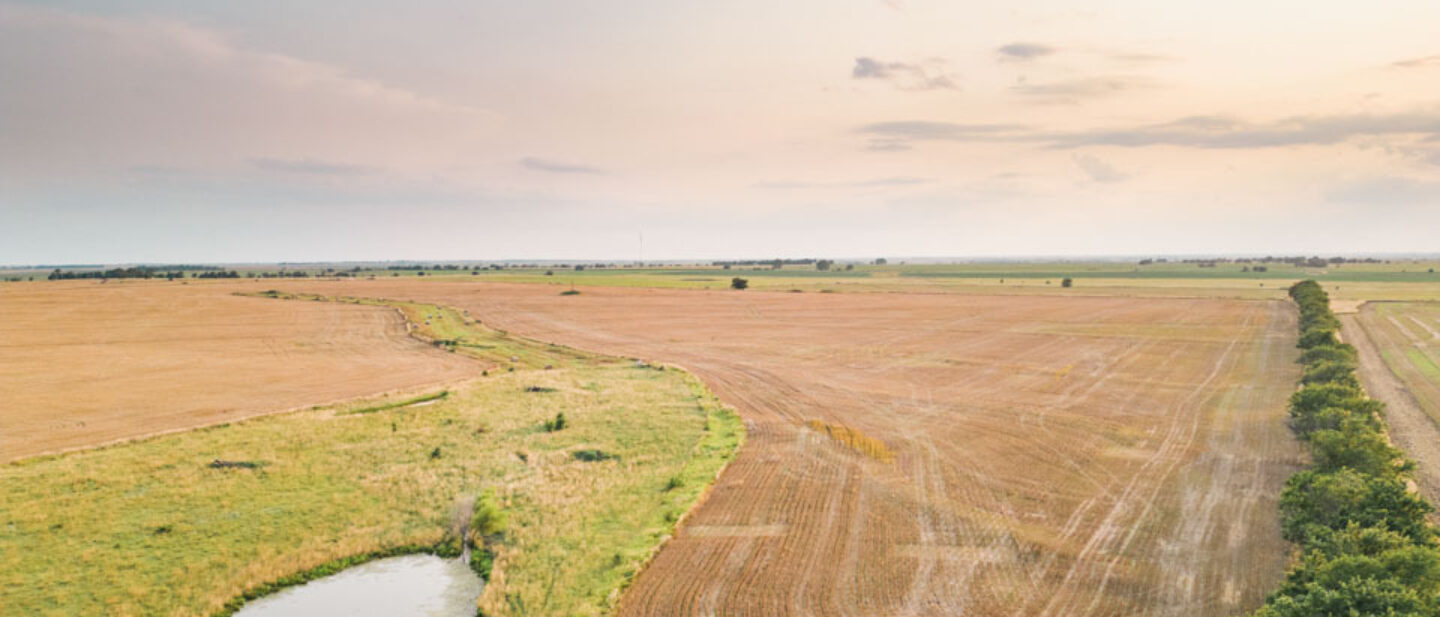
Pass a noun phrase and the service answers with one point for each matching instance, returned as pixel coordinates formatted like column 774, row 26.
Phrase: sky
column 191, row 131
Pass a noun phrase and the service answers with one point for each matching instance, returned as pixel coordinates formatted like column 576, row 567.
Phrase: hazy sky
column 179, row 130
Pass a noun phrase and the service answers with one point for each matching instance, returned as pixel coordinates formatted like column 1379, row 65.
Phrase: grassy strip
column 152, row 528
column 453, row 330
column 1365, row 547
column 425, row 398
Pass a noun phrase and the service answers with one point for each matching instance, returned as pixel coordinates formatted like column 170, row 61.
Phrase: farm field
column 932, row 454
column 1400, row 280
column 1399, row 345
column 86, row 363
column 160, row 527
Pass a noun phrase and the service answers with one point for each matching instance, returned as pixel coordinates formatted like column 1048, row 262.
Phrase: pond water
column 418, row 585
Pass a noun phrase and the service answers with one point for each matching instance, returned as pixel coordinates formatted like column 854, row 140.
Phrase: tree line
column 1364, row 547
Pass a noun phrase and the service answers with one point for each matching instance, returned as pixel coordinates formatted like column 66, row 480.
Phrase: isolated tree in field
column 739, row 283
column 880, row 261
column 1066, row 282
column 824, row 264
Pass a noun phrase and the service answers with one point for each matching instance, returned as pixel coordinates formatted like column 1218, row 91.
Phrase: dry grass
column 854, row 439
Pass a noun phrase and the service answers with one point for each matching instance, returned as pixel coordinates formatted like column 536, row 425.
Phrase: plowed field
column 84, row 363
column 939, row 455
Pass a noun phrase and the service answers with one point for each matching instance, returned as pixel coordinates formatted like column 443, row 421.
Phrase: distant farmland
column 923, row 454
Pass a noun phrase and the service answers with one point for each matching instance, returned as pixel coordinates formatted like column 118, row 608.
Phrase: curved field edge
column 152, row 528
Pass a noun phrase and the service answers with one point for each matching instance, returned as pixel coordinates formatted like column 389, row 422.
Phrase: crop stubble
column 1051, row 456
column 83, row 363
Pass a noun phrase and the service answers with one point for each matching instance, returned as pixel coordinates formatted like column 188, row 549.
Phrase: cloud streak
column 1099, row 170
column 556, row 167
column 1024, row 52
column 1419, row 63
column 904, row 75
column 312, row 166
column 1075, row 90
column 1206, row 132
column 870, row 183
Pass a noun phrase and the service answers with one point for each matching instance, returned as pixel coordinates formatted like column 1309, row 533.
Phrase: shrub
column 1343, row 353
column 592, row 455
column 1315, row 501
column 556, row 424
column 1356, row 445
column 739, row 283
column 1330, row 373
column 488, row 520
column 1316, row 337
column 1066, row 282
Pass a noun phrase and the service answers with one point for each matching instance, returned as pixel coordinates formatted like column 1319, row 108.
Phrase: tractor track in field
column 1060, row 456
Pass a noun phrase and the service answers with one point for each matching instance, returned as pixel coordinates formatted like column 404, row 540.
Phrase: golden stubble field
column 915, row 454
column 83, row 363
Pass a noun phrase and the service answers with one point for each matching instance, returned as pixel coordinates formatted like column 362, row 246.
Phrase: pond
column 419, row 585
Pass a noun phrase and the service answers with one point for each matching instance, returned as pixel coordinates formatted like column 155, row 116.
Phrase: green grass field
column 152, row 528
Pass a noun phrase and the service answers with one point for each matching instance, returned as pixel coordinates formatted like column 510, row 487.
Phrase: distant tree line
column 1299, row 261
column 136, row 272
column 1365, row 546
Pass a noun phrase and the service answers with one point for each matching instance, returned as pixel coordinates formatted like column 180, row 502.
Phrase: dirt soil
column 916, row 454
column 84, row 363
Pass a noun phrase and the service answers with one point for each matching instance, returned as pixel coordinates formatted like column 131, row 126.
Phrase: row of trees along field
column 1364, row 545
column 145, row 272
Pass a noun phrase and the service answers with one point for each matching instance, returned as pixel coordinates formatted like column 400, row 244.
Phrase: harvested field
column 1399, row 345
column 83, row 363
column 1037, row 455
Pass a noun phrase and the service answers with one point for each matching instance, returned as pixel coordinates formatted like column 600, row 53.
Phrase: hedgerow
column 1364, row 547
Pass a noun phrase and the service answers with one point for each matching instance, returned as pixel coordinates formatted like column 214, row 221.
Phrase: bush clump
column 555, row 424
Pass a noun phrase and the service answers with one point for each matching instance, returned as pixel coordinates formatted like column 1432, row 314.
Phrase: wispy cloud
column 556, row 167
column 869, row 183
column 1024, row 52
column 1073, row 91
column 1099, row 170
column 1215, row 132
column 312, row 166
column 1417, row 63
column 929, row 75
